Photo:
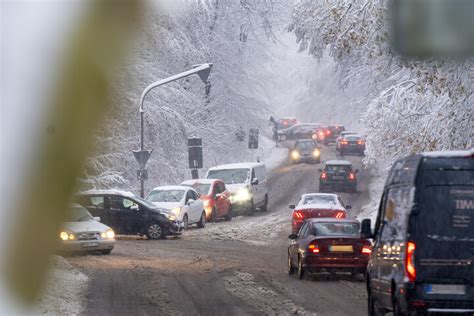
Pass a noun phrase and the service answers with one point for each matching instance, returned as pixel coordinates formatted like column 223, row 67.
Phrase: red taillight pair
column 340, row 215
column 324, row 176
column 351, row 176
column 298, row 215
column 410, row 261
column 313, row 248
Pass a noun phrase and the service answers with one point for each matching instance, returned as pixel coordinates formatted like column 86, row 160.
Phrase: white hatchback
column 182, row 201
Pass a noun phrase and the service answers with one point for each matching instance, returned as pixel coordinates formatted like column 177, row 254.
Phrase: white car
column 247, row 183
column 182, row 201
column 84, row 233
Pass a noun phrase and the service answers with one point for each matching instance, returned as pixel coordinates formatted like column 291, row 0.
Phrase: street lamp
column 143, row 155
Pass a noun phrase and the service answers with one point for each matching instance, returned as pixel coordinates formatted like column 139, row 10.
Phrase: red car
column 317, row 205
column 328, row 245
column 215, row 197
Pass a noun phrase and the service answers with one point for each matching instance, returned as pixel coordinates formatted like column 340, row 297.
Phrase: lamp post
column 142, row 155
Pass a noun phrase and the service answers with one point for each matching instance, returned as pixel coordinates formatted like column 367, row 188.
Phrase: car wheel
column 228, row 217
column 251, row 208
column 300, row 271
column 106, row 251
column 396, row 307
column 373, row 309
column 213, row 214
column 185, row 221
column 202, row 220
column 264, row 208
column 155, row 231
column 291, row 269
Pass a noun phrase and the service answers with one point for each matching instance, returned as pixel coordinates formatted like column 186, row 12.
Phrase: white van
column 247, row 183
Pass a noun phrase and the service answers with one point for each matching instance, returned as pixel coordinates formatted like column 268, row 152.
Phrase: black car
column 129, row 214
column 331, row 133
column 305, row 151
column 350, row 144
column 299, row 131
column 423, row 255
column 338, row 176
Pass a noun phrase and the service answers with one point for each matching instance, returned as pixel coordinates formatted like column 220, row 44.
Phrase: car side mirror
column 366, row 231
column 97, row 218
column 292, row 206
column 293, row 236
column 348, row 206
column 134, row 208
column 254, row 181
column 320, row 170
column 190, row 201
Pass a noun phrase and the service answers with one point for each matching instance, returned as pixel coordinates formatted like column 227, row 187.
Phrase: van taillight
column 351, row 176
column 410, row 261
column 313, row 248
column 324, row 176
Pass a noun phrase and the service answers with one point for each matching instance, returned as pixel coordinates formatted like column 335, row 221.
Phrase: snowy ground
column 65, row 291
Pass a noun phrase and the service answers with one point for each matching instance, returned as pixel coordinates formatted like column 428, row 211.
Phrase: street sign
column 142, row 156
column 195, row 153
column 142, row 174
column 253, row 138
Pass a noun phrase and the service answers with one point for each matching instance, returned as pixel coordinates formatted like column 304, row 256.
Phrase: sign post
column 195, row 156
column 253, row 139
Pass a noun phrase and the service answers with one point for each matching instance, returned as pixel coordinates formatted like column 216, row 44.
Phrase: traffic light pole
column 203, row 71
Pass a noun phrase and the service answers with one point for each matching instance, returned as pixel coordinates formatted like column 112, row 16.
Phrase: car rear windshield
column 336, row 229
column 305, row 145
column 447, row 198
column 338, row 168
column 352, row 138
column 230, row 176
column 165, row 196
column 79, row 214
column 202, row 188
column 319, row 199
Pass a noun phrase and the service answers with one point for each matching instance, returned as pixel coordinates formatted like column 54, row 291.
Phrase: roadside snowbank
column 65, row 290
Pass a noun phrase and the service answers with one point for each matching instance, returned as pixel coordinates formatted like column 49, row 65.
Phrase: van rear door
column 444, row 228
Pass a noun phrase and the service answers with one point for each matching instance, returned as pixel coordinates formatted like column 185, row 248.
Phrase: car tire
column 264, row 208
column 396, row 310
column 229, row 215
column 154, row 231
column 185, row 221
column 300, row 270
column 202, row 220
column 251, row 209
column 106, row 251
column 213, row 215
column 291, row 269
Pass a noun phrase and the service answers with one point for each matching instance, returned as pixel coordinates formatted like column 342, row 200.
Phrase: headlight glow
column 108, row 234
column 206, row 203
column 176, row 211
column 241, row 195
column 316, row 153
column 171, row 217
column 64, row 236
column 295, row 155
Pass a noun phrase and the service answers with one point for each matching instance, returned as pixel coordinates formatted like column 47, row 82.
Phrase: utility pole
column 143, row 155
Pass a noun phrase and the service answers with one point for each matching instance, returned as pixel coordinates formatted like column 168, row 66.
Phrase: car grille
column 88, row 236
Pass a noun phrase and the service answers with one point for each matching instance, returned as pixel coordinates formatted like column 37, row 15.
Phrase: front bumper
column 306, row 158
column 86, row 245
column 176, row 228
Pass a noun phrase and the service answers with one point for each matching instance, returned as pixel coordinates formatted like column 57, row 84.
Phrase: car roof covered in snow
column 339, row 162
column 108, row 192
column 171, row 187
column 320, row 204
column 449, row 153
column 242, row 165
column 199, row 181
column 348, row 132
column 332, row 220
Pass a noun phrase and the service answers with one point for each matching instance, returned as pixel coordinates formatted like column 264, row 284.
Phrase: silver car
column 84, row 233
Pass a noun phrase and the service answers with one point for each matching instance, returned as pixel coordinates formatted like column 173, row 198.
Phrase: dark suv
column 338, row 176
column 423, row 255
column 129, row 214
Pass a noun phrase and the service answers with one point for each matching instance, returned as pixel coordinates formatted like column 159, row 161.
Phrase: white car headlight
column 295, row 155
column 176, row 211
column 66, row 236
column 108, row 234
column 171, row 217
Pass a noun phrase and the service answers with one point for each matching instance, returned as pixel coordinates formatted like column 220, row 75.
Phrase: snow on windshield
column 79, row 214
column 230, row 176
column 166, row 196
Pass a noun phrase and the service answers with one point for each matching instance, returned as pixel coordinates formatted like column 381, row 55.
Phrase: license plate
column 89, row 244
column 338, row 177
column 340, row 248
column 446, row 289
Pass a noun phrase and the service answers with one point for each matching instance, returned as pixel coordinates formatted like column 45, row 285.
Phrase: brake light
column 351, row 176
column 298, row 215
column 367, row 249
column 285, row 123
column 324, row 176
column 410, row 260
column 313, row 248
column 328, row 132
column 361, row 142
column 340, row 215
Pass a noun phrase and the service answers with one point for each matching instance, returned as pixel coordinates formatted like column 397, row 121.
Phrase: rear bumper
column 322, row 263
column 338, row 185
column 352, row 149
